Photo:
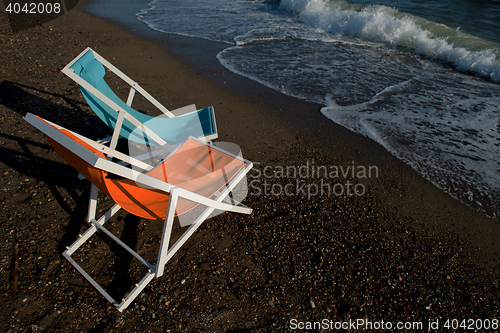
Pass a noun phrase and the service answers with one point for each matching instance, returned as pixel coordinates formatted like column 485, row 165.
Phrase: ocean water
column 421, row 78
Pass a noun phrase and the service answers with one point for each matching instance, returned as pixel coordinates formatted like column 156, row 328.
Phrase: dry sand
column 403, row 251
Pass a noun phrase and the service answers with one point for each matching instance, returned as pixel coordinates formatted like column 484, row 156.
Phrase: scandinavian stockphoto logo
column 26, row 14
column 215, row 169
column 309, row 179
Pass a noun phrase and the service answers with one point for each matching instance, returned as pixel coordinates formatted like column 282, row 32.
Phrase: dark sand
column 403, row 251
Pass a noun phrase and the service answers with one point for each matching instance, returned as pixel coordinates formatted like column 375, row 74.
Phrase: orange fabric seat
column 194, row 166
column 94, row 175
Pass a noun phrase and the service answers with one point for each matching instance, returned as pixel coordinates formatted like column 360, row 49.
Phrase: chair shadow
column 32, row 159
column 23, row 99
column 122, row 282
column 49, row 172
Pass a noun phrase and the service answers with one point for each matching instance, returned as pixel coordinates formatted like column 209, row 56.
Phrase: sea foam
column 387, row 25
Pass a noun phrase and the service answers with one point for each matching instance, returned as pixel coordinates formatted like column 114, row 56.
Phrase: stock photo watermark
column 26, row 14
column 406, row 326
column 310, row 179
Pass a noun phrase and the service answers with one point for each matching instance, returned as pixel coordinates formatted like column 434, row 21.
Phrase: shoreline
column 290, row 252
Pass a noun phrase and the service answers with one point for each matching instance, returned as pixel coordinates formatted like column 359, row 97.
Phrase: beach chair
column 194, row 182
column 88, row 70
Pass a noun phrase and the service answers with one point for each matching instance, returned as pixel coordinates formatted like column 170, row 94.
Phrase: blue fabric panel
column 172, row 130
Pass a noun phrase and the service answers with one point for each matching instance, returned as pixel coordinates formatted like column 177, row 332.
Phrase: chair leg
column 98, row 225
column 166, row 253
column 90, row 217
column 165, row 256
column 136, row 291
column 128, row 299
column 167, row 233
column 92, row 203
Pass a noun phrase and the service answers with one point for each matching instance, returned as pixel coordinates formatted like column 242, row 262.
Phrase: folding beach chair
column 88, row 70
column 197, row 177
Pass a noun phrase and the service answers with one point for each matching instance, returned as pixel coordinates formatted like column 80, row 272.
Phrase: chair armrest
column 111, row 152
column 211, row 202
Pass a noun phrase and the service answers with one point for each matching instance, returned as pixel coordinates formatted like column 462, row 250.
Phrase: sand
column 401, row 251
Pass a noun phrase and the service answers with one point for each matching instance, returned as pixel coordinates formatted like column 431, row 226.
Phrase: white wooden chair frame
column 165, row 252
column 123, row 114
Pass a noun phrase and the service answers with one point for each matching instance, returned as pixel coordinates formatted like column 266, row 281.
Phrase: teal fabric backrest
column 172, row 130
